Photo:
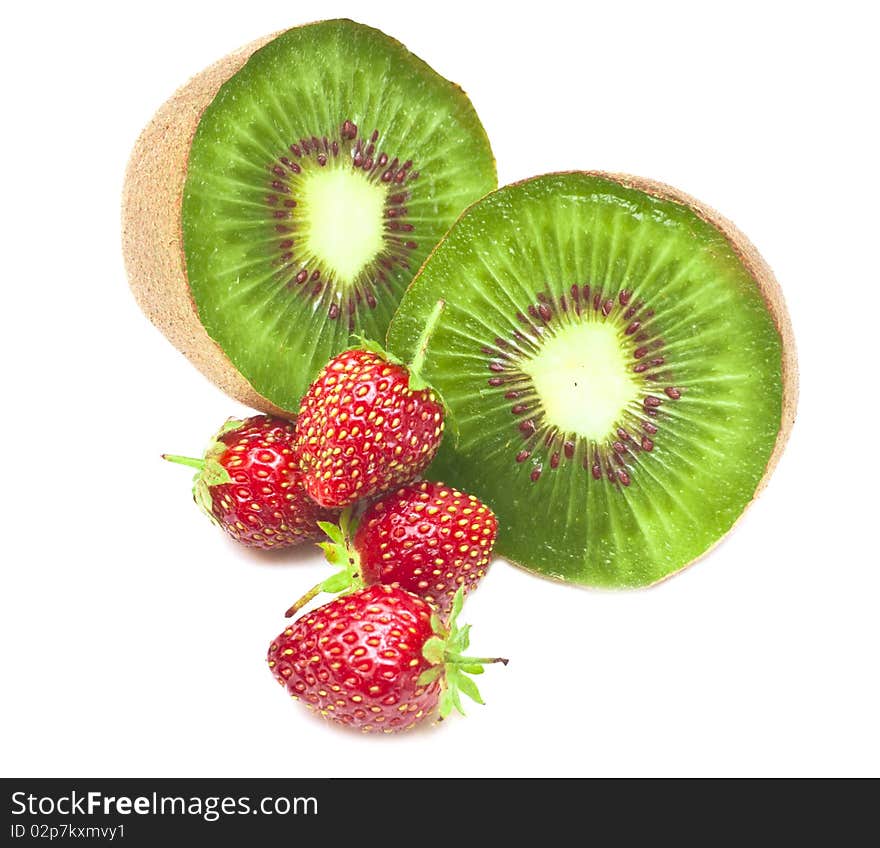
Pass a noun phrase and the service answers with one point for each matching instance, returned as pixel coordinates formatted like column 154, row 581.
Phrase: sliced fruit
column 285, row 197
column 617, row 362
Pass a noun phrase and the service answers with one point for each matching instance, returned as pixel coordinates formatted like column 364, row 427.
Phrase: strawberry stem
column 340, row 551
column 457, row 659
column 449, row 665
column 190, row 461
column 313, row 592
column 415, row 366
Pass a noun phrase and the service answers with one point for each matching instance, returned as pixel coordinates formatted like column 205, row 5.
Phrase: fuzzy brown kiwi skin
column 152, row 234
column 770, row 290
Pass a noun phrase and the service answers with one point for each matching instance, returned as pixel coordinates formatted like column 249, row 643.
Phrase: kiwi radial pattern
column 618, row 364
column 284, row 198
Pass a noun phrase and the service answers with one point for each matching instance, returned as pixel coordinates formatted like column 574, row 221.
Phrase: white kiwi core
column 341, row 211
column 584, row 379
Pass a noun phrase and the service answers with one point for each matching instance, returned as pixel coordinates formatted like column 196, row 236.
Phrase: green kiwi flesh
column 618, row 370
column 319, row 178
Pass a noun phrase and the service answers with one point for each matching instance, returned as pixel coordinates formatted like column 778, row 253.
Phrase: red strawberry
column 249, row 483
column 364, row 430
column 377, row 660
column 427, row 538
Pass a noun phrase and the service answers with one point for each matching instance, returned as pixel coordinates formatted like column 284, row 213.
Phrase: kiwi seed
column 387, row 241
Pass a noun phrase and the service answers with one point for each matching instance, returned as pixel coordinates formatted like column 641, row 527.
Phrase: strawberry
column 377, row 660
column 249, row 483
column 427, row 538
column 365, row 426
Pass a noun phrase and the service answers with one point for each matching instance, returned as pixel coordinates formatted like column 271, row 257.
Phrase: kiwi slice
column 619, row 366
column 284, row 199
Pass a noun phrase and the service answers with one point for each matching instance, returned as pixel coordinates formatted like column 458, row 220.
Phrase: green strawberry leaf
column 338, row 582
column 333, row 531
column 434, row 650
column 469, row 688
column 331, row 552
column 214, row 474
column 446, row 703
column 364, row 343
column 460, row 639
column 437, row 626
column 456, row 699
column 340, row 549
column 229, row 425
column 429, row 675
column 202, row 496
column 349, row 519
column 457, row 604
column 417, row 383
column 450, row 423
column 451, row 681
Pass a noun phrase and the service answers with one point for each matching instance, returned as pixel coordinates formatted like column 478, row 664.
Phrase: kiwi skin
column 770, row 290
column 152, row 235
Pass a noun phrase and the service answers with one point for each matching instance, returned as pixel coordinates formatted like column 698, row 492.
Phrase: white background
column 134, row 632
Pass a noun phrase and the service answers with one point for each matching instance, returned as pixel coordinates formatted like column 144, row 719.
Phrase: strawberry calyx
column 364, row 343
column 445, row 651
column 339, row 551
column 416, row 381
column 209, row 471
column 415, row 366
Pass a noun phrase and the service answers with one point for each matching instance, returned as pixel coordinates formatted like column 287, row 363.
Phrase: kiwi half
column 284, row 198
column 619, row 366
